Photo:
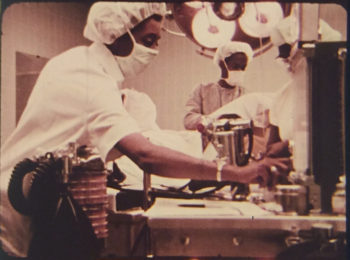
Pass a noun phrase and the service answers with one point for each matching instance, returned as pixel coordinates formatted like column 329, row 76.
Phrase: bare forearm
column 178, row 165
column 169, row 163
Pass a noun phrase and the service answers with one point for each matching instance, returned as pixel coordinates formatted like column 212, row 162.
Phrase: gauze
column 137, row 60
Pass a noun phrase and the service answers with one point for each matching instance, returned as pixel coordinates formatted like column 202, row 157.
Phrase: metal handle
column 243, row 159
column 146, row 190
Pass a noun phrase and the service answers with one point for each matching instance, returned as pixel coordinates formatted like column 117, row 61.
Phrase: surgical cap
column 229, row 48
column 285, row 32
column 107, row 21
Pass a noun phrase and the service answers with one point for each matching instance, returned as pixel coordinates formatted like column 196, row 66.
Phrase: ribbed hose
column 44, row 192
column 44, row 188
column 15, row 190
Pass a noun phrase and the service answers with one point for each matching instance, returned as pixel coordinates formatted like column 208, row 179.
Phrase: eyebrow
column 153, row 35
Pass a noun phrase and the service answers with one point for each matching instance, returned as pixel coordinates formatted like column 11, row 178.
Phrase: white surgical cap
column 285, row 32
column 227, row 49
column 107, row 21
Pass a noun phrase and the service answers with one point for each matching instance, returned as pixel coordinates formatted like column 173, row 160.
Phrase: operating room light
column 209, row 30
column 259, row 18
column 195, row 4
column 228, row 11
column 209, row 24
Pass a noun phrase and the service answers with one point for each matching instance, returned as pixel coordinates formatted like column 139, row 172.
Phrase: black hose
column 45, row 189
column 15, row 190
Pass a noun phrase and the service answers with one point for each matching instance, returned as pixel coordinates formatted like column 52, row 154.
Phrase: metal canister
column 292, row 198
column 234, row 139
column 339, row 199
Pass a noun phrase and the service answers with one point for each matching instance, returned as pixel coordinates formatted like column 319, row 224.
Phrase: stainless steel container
column 339, row 198
column 292, row 198
column 233, row 138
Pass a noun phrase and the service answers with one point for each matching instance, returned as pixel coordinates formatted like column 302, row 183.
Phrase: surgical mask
column 235, row 77
column 137, row 60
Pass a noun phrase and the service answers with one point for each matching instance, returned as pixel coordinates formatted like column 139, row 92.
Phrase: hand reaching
column 279, row 149
column 267, row 172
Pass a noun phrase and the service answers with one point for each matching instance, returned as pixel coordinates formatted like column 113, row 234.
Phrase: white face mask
column 137, row 60
column 235, row 77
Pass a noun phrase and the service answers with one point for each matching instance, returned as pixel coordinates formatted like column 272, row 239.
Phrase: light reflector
column 259, row 18
column 209, row 30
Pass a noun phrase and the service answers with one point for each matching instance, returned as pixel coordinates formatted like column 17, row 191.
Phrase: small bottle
column 339, row 197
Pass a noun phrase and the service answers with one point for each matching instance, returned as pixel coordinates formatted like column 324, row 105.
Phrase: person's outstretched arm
column 169, row 163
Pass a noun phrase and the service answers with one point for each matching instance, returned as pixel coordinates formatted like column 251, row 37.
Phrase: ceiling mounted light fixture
column 228, row 11
column 195, row 4
column 259, row 18
column 209, row 30
column 209, row 24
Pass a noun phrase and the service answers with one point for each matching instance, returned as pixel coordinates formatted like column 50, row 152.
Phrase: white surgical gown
column 76, row 99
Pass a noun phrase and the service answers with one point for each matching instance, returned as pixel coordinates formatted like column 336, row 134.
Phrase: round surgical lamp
column 228, row 11
column 259, row 18
column 208, row 24
column 209, row 30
